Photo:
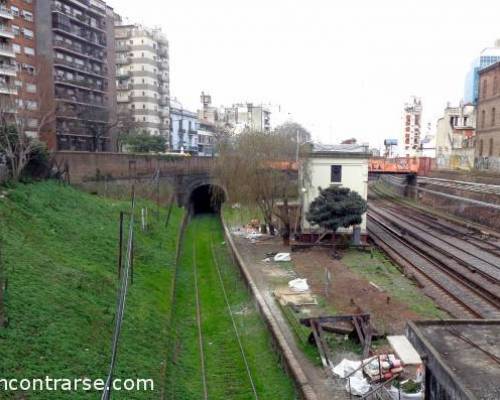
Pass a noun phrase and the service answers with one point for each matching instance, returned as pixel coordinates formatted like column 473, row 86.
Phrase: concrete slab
column 404, row 350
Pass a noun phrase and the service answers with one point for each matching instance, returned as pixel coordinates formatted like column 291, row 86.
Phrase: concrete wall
column 354, row 177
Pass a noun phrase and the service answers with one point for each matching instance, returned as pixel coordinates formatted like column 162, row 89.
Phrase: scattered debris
column 357, row 384
column 287, row 297
column 377, row 287
column 298, row 285
column 282, row 257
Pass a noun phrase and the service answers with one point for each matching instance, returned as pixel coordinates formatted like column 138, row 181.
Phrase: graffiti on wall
column 488, row 163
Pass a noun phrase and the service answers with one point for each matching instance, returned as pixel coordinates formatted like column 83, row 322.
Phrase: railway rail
column 457, row 266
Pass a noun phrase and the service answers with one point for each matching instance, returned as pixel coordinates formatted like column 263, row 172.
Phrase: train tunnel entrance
column 207, row 199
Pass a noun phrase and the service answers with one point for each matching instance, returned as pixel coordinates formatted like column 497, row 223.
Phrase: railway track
column 220, row 345
column 454, row 264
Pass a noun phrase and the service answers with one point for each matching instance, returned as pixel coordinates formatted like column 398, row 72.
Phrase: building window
column 491, row 147
column 30, row 88
column 493, row 116
column 336, row 173
column 29, row 51
column 15, row 11
column 16, row 48
column 483, row 119
column 28, row 33
column 485, row 88
column 16, row 30
column 28, row 16
column 481, row 148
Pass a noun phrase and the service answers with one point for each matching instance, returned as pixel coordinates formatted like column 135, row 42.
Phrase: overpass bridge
column 190, row 177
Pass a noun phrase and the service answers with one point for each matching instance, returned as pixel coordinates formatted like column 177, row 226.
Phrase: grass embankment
column 226, row 375
column 60, row 256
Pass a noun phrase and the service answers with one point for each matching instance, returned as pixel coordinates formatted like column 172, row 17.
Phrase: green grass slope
column 59, row 248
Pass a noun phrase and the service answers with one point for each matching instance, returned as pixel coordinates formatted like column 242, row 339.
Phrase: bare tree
column 259, row 169
column 20, row 128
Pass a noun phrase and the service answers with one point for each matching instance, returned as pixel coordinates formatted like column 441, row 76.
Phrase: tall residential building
column 24, row 46
column 488, row 56
column 8, row 70
column 412, row 127
column 74, row 74
column 142, row 76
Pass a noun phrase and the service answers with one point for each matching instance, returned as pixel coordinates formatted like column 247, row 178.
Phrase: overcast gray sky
column 342, row 68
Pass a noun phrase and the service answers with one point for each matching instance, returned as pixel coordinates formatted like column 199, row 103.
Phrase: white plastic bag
column 298, row 285
column 357, row 384
column 345, row 367
column 282, row 257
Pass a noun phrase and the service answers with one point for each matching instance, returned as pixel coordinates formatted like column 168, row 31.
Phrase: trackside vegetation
column 59, row 255
column 216, row 358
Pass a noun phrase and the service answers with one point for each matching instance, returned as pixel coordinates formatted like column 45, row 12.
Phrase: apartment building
column 75, row 79
column 8, row 69
column 487, row 154
column 142, row 77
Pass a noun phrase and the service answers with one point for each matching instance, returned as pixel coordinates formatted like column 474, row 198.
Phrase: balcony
column 85, row 68
column 124, row 86
column 123, row 99
column 88, row 114
column 80, row 83
column 80, row 50
column 79, row 34
column 163, row 52
column 80, row 18
column 122, row 73
column 165, row 113
column 7, row 89
column 6, row 32
column 123, row 47
column 9, row 70
column 5, row 12
column 123, row 60
column 163, row 64
column 82, row 99
column 6, row 51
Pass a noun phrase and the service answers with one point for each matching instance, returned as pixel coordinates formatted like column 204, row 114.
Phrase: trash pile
column 370, row 374
column 383, row 368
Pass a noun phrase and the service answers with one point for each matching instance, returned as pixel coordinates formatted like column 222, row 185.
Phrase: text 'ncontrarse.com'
column 50, row 384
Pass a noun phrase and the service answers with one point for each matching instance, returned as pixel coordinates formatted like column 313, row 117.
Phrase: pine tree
column 336, row 207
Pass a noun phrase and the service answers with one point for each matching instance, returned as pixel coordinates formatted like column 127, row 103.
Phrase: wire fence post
column 132, row 253
column 120, row 246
